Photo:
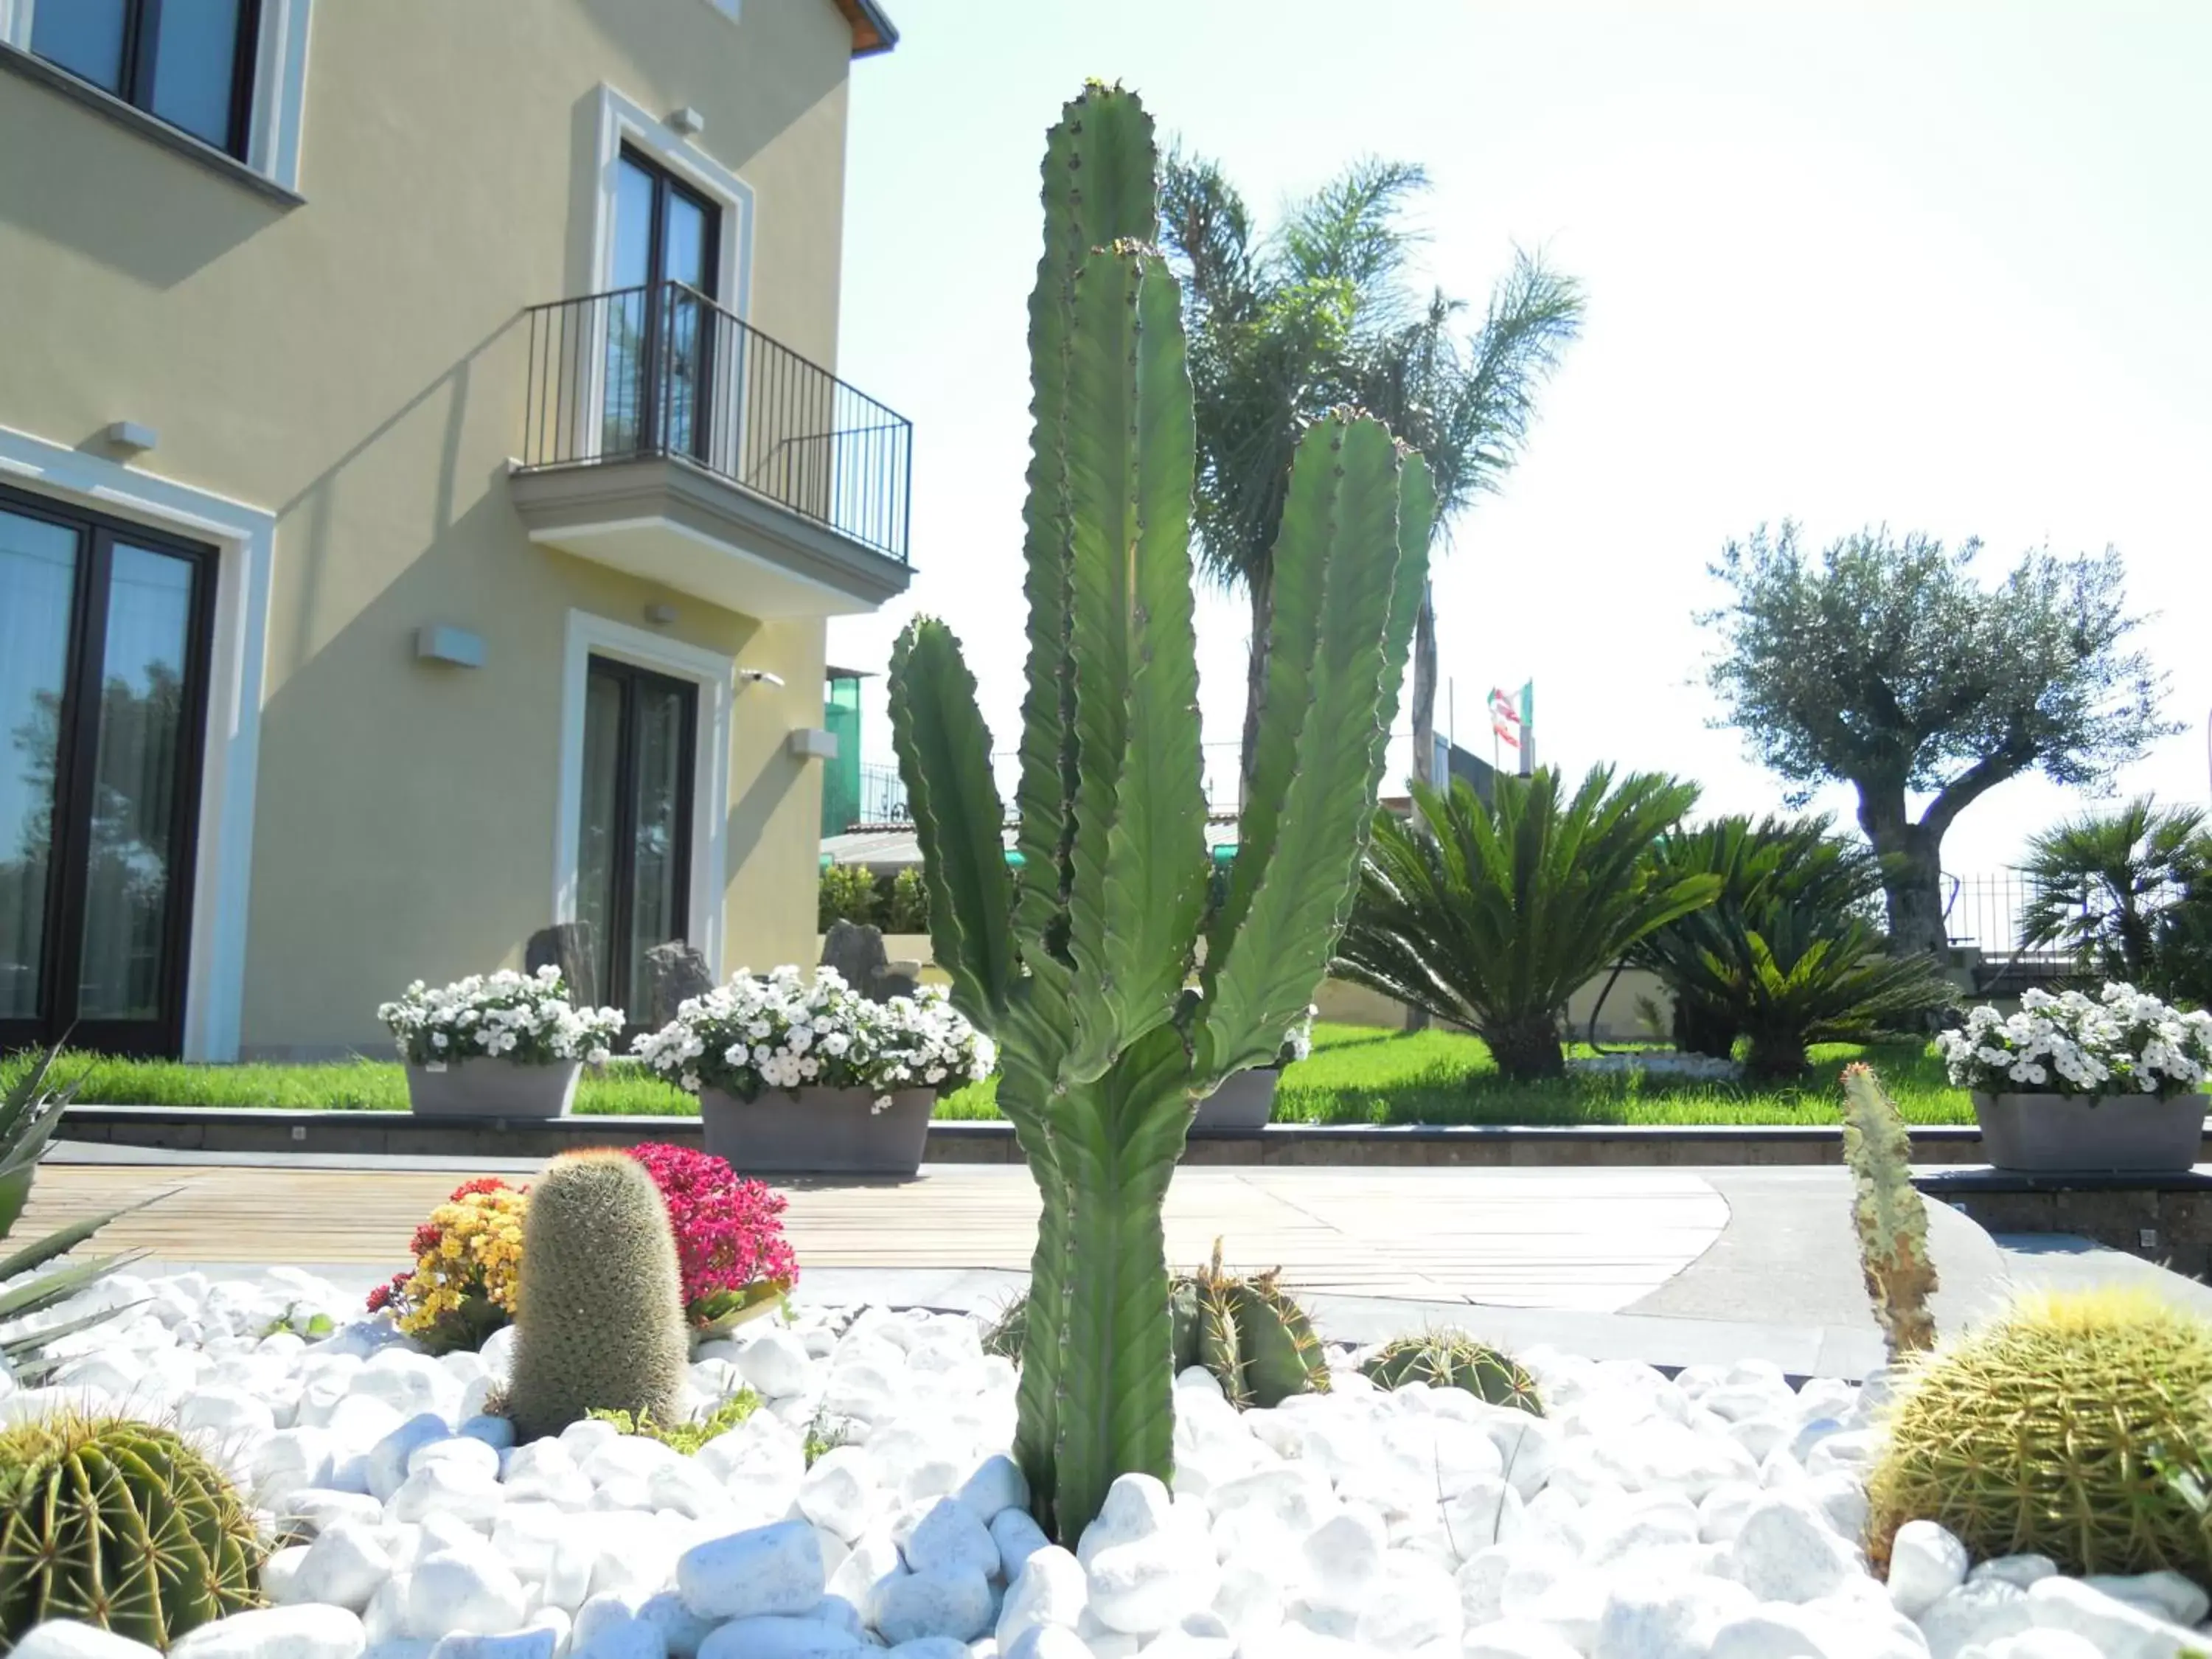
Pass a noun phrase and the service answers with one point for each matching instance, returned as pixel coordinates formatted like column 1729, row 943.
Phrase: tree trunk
column 1702, row 1030
column 1912, row 874
column 1527, row 1047
column 1425, row 689
column 1260, row 588
column 1776, row 1057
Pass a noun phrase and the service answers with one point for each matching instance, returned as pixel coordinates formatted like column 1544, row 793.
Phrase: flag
column 1505, row 717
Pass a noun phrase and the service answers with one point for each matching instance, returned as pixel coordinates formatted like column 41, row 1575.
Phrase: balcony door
column 104, row 632
column 661, row 335
column 634, row 844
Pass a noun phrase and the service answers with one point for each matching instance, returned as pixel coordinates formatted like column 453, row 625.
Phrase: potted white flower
column 800, row 1074
column 1246, row 1100
column 2079, row 1082
column 498, row 1045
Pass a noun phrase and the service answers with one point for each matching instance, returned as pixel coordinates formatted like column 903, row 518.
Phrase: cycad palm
column 1491, row 917
column 1318, row 315
column 2128, row 894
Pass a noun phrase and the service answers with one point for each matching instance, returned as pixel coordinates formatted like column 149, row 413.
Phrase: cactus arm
column 1140, row 849
column 1098, row 189
column 945, row 757
column 1339, row 563
column 1891, row 1216
column 1417, row 517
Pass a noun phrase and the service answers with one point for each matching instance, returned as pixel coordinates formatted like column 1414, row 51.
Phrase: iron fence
column 662, row 371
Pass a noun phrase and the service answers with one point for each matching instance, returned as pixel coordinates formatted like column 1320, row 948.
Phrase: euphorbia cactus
column 1081, row 963
column 1887, row 1210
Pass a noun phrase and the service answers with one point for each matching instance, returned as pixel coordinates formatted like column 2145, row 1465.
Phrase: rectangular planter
column 2074, row 1134
column 817, row 1130
column 1245, row 1100
column 493, row 1088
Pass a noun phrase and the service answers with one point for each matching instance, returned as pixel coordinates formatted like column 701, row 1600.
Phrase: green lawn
column 1358, row 1074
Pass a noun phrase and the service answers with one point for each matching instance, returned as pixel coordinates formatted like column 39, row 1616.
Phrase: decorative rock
column 1017, row 1538
column 1517, row 1638
column 673, row 973
column 996, row 1487
column 1050, row 1589
column 317, row 1509
column 955, row 1602
column 476, row 1593
column 840, row 1490
column 1786, row 1552
column 1981, row 1610
column 388, row 1457
column 2039, row 1644
column 1925, row 1562
column 1136, row 1507
column 64, row 1639
column 1415, row 1602
column 776, row 1364
column 2017, row 1569
column 681, row 1629
column 344, row 1566
column 774, row 1636
column 2116, row 1630
column 1342, row 1558
column 951, row 1538
column 537, row 1644
column 1773, row 1630
column 1049, row 1642
column 2168, row 1594
column 308, row 1632
column 765, row 1571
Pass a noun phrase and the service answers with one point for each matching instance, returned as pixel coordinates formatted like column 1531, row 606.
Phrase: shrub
column 467, row 1257
column 1453, row 1359
column 782, row 1032
column 600, row 1313
column 524, row 1017
column 1787, row 953
column 905, row 905
column 1490, row 917
column 2050, row 1431
column 119, row 1524
column 2128, row 894
column 846, row 893
column 729, row 1237
column 2120, row 1042
column 686, row 1438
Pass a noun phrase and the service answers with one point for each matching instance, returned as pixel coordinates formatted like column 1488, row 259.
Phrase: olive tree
column 1885, row 662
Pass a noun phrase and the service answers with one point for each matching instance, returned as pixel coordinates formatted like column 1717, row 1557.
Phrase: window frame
column 142, row 33
column 76, row 750
column 615, row 990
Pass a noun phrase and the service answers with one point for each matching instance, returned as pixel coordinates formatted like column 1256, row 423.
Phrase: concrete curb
column 401, row 1133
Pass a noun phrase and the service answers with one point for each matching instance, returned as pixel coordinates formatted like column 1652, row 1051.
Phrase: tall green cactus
column 1889, row 1213
column 1082, row 964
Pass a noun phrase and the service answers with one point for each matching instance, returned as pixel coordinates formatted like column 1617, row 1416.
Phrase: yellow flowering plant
column 467, row 1254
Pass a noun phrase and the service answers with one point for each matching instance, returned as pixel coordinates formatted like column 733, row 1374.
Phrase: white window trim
column 280, row 81
column 624, row 120
column 245, row 538
column 716, row 674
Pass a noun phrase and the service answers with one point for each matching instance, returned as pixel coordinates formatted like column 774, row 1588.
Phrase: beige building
column 422, row 488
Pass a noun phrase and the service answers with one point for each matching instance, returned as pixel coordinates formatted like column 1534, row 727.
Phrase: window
column 105, row 631
column 189, row 63
column 660, row 344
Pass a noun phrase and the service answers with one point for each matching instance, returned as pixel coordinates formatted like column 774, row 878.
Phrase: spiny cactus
column 1887, row 1210
column 1081, row 966
column 1252, row 1336
column 119, row 1524
column 2050, row 1432
column 1453, row 1359
column 599, row 1315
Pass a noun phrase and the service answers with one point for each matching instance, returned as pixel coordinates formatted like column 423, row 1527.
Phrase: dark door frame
column 622, row 898
column 654, row 406
column 77, row 756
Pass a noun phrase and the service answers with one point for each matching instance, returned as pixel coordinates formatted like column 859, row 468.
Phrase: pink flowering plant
column 730, row 1245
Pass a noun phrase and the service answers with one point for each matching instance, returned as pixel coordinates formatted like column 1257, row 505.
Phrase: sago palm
column 1490, row 917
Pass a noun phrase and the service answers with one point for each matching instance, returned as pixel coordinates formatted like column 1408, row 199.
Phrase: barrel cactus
column 119, row 1524
column 600, row 1308
column 1080, row 959
column 2056, row 1430
column 1453, row 1359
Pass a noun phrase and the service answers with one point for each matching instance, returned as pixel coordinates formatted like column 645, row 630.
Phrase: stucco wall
column 356, row 365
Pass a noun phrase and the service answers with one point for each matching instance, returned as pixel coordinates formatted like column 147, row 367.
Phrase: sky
column 1944, row 267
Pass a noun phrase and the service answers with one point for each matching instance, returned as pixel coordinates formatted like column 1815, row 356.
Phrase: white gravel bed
column 1715, row 1515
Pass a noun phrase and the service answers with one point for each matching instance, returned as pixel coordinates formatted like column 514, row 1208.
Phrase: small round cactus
column 120, row 1524
column 599, row 1308
column 2064, row 1428
column 1453, row 1359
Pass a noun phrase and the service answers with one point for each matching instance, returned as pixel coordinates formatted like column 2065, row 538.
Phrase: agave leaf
column 62, row 1240
column 50, row 1288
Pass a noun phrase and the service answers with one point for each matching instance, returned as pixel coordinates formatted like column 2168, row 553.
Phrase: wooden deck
column 1591, row 1241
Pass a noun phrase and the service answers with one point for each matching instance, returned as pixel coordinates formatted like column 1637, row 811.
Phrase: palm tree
column 1492, row 916
column 2122, row 892
column 1320, row 313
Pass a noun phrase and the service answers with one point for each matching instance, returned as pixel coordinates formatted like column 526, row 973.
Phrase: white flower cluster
column 787, row 1032
column 2121, row 1042
column 524, row 1017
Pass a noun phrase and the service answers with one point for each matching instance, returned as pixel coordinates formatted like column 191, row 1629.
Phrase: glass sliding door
column 634, row 842
column 661, row 324
column 103, row 669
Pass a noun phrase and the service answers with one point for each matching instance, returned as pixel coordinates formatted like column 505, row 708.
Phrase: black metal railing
column 662, row 370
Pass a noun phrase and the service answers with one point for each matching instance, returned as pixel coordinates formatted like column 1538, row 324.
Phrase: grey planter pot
column 1245, row 1100
column 817, row 1130
column 2078, row 1135
column 493, row 1088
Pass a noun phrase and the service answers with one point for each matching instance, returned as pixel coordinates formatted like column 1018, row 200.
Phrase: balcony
column 667, row 438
